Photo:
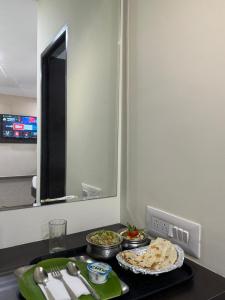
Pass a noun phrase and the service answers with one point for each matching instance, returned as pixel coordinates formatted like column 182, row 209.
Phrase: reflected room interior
column 18, row 105
column 70, row 151
column 53, row 120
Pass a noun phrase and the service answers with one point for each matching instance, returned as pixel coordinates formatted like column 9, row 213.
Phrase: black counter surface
column 205, row 285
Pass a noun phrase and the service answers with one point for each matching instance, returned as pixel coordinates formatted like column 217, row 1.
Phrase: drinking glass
column 57, row 235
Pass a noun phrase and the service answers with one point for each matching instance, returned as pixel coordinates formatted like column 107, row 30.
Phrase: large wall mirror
column 77, row 83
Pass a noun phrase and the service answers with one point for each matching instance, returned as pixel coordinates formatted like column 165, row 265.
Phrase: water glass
column 57, row 235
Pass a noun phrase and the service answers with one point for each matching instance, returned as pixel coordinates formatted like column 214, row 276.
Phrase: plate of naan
column 159, row 257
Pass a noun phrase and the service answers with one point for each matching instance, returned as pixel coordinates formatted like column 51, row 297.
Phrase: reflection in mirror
column 91, row 103
column 18, row 104
column 53, row 128
column 92, row 114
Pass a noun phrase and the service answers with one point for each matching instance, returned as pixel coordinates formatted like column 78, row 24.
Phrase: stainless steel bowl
column 132, row 244
column 103, row 252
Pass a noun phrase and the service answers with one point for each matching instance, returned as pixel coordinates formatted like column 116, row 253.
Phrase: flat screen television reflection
column 18, row 129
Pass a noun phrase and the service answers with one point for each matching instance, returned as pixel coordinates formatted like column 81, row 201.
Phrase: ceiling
column 18, row 47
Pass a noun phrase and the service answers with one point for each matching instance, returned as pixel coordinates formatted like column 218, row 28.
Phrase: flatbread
column 160, row 254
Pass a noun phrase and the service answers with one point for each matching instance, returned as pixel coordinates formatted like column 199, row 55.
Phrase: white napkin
column 58, row 290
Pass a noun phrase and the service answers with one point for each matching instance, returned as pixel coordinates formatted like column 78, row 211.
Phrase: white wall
column 31, row 224
column 26, row 225
column 18, row 159
column 176, row 116
column 92, row 100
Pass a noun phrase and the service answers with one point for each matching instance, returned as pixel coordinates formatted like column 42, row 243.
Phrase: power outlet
column 160, row 226
column 179, row 230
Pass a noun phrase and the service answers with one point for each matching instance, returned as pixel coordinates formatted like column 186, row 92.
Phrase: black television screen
column 18, row 129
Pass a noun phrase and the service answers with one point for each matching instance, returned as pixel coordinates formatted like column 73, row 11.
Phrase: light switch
column 185, row 236
column 175, row 228
column 180, row 234
column 170, row 231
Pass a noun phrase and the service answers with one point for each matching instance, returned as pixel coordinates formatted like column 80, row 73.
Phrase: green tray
column 31, row 291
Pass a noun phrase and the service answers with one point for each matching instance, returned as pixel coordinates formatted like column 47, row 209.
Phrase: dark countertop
column 206, row 285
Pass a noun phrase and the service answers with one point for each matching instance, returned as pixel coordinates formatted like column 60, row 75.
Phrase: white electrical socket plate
column 158, row 223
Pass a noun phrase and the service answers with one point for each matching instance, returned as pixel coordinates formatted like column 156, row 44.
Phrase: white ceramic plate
column 124, row 264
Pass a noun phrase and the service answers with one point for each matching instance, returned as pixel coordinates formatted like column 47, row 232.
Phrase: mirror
column 79, row 147
column 89, row 161
column 18, row 102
